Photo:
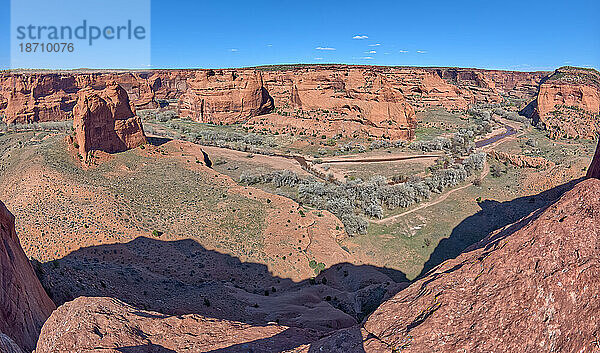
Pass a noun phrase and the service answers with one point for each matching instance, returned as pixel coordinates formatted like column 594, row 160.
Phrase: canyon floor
column 164, row 193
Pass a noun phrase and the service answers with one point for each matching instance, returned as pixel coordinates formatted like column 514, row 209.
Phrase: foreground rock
column 24, row 305
column 111, row 326
column 530, row 287
column 105, row 121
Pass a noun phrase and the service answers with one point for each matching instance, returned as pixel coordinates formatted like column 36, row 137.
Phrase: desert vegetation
column 58, row 126
column 353, row 200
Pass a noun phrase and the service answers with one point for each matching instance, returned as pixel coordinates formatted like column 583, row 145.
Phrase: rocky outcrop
column 568, row 104
column 24, row 305
column 336, row 101
column 225, row 97
column 521, row 161
column 536, row 282
column 109, row 325
column 105, row 121
column 594, row 169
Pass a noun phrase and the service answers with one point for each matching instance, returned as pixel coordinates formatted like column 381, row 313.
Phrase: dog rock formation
column 24, row 305
column 105, row 121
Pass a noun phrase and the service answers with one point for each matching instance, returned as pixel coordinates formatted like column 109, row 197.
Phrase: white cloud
column 386, row 53
column 324, row 48
column 233, row 50
column 421, row 51
column 368, row 58
column 318, row 58
column 269, row 45
column 360, row 37
column 404, row 51
column 375, row 45
column 371, row 52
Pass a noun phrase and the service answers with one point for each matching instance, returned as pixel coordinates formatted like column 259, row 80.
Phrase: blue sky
column 515, row 35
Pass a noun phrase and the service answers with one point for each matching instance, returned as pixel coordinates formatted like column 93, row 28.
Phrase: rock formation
column 568, row 103
column 594, row 169
column 24, row 305
column 521, row 161
column 109, row 325
column 529, row 287
column 225, row 97
column 105, row 121
column 336, row 101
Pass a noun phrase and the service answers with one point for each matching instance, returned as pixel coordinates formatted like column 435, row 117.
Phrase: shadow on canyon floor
column 182, row 277
column 148, row 348
column 157, row 140
column 493, row 215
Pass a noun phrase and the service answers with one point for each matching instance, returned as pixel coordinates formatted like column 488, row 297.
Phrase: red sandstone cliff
column 334, row 101
column 104, row 120
column 225, row 97
column 377, row 101
column 24, row 305
column 568, row 103
column 27, row 97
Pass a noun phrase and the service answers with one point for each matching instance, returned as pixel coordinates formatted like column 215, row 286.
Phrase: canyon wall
column 225, row 97
column 568, row 104
column 24, row 305
column 316, row 99
column 27, row 97
column 341, row 101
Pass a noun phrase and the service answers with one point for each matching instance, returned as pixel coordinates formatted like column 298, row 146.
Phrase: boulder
column 522, row 161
